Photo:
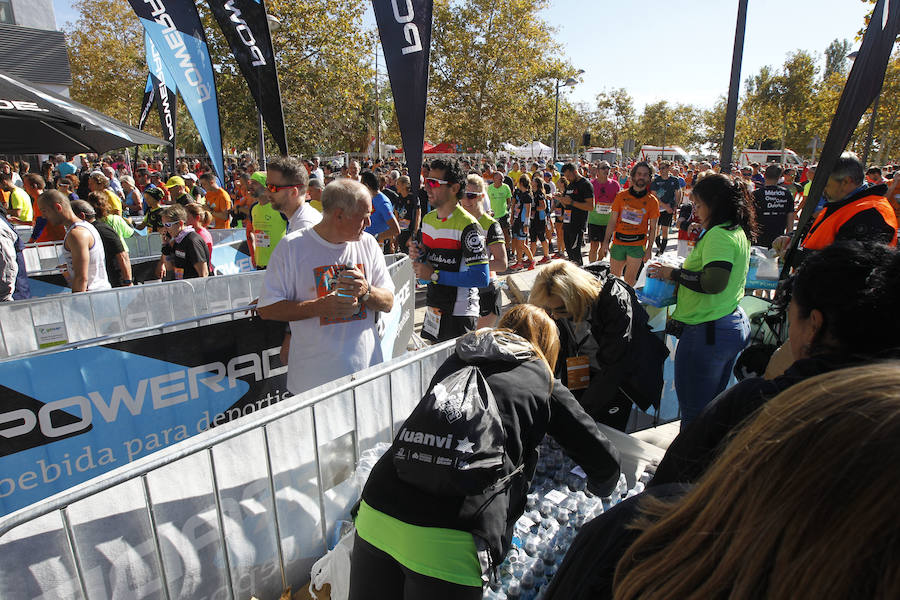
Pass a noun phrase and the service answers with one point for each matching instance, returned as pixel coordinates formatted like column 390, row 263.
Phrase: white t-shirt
column 303, row 217
column 303, row 267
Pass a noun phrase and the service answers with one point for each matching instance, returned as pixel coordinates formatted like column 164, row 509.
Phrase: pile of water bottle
column 558, row 505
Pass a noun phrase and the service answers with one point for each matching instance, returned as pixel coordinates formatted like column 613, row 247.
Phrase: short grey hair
column 848, row 165
column 394, row 175
column 345, row 194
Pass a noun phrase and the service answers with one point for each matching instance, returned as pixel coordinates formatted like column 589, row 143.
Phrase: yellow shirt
column 115, row 203
column 316, row 204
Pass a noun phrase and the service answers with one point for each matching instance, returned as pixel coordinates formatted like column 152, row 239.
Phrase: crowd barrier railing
column 28, row 326
column 240, row 510
column 45, row 258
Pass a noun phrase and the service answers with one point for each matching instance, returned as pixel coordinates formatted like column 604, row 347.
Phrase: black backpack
column 453, row 443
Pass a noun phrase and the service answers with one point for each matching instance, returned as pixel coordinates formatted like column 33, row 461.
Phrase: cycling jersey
column 453, row 244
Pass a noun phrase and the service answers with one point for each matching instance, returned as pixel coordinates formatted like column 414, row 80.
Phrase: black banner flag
column 405, row 30
column 246, row 29
column 147, row 102
column 862, row 87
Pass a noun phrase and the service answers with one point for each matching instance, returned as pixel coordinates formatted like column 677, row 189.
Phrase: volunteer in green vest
column 712, row 328
column 268, row 225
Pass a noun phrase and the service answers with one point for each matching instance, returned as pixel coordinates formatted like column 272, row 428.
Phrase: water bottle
column 514, row 592
column 527, row 586
column 540, row 575
column 639, row 487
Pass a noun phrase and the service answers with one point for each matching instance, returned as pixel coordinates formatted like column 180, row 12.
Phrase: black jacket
column 529, row 408
column 630, row 355
column 698, row 445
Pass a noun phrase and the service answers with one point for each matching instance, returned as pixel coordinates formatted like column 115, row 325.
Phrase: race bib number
column 632, row 217
column 603, row 209
column 404, row 223
column 261, row 239
column 179, row 273
column 432, row 323
column 567, row 216
column 558, row 211
column 578, row 371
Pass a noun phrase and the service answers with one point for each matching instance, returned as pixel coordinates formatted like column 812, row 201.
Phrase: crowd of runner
column 321, row 233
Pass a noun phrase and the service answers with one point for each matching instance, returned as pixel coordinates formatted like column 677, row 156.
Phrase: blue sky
column 676, row 51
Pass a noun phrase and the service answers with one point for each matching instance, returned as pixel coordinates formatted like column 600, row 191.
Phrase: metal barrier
column 45, row 258
column 237, row 511
column 29, row 326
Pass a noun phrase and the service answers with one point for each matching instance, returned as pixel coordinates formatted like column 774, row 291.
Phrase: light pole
column 568, row 83
column 871, row 131
column 274, row 25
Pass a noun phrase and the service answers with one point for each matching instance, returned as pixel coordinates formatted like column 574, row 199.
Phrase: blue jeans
column 702, row 370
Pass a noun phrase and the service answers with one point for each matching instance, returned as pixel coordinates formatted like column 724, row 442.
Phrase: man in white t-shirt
column 329, row 281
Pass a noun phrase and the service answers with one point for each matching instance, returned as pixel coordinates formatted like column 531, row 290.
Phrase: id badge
column 432, row 323
column 567, row 216
column 632, row 217
column 261, row 238
column 578, row 371
column 603, row 209
column 179, row 273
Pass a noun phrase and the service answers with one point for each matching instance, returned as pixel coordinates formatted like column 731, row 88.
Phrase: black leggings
column 376, row 575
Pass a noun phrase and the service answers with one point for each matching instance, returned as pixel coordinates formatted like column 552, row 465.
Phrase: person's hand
column 695, row 228
column 334, row 306
column 781, row 244
column 423, row 270
column 658, row 271
column 413, row 246
column 648, row 254
column 604, row 250
column 352, row 282
column 565, row 200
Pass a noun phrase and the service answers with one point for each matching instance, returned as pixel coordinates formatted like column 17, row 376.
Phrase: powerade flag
column 147, row 102
column 165, row 89
column 405, row 30
column 862, row 87
column 174, row 26
column 245, row 27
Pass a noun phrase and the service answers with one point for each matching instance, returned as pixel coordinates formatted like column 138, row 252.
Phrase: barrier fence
column 46, row 257
column 242, row 509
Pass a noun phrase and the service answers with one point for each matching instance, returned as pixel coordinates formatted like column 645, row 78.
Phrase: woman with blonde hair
column 609, row 358
column 798, row 505
column 489, row 297
column 414, row 542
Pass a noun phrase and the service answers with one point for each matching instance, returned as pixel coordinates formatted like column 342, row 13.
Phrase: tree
column 616, row 111
column 836, row 55
column 492, row 72
column 677, row 125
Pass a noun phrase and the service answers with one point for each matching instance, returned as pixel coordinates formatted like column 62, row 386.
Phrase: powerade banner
column 247, row 31
column 174, row 26
column 165, row 90
column 863, row 86
column 147, row 102
column 108, row 405
column 405, row 30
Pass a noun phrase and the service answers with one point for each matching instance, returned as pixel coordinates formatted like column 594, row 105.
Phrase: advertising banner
column 147, row 102
column 405, row 30
column 164, row 94
column 175, row 29
column 246, row 29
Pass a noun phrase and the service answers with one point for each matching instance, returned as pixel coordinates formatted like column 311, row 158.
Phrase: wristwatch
column 365, row 297
column 434, row 276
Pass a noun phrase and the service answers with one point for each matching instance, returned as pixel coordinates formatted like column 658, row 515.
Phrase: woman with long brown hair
column 799, row 505
column 417, row 541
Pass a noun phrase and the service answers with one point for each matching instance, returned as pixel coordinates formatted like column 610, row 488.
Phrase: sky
column 675, row 51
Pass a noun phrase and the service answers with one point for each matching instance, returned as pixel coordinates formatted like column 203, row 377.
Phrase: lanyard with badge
column 578, row 367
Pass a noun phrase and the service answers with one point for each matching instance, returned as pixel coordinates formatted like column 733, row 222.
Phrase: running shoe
column 529, row 265
column 515, row 267
column 544, row 260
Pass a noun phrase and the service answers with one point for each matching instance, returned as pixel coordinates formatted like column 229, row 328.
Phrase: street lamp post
column 568, row 83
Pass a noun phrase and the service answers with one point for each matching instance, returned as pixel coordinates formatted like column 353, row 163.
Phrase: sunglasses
column 473, row 195
column 435, row 183
column 559, row 311
column 277, row 188
column 170, row 224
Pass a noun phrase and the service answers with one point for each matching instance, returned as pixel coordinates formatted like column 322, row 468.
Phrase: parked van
column 765, row 157
column 596, row 154
column 675, row 153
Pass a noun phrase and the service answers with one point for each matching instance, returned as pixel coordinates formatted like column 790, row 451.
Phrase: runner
column 633, row 222
column 218, row 201
column 667, row 190
column 267, row 225
column 577, row 201
column 539, row 220
column 605, row 190
column 521, row 225
column 500, row 195
column 774, row 208
column 183, row 247
column 489, row 297
column 453, row 256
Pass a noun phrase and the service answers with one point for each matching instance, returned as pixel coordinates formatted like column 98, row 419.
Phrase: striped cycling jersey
column 453, row 244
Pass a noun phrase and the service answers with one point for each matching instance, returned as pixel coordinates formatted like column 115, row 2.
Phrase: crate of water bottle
column 657, row 292
column 764, row 269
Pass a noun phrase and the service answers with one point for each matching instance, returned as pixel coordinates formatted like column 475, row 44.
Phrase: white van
column 675, row 153
column 765, row 157
column 596, row 154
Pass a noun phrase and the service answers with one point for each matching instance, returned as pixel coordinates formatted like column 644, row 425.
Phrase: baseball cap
column 154, row 192
column 190, row 176
column 259, row 177
column 174, row 180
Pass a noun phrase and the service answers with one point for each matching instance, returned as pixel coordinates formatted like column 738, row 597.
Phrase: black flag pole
column 862, row 87
column 734, row 88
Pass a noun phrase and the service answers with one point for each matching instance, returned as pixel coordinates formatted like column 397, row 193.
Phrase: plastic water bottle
column 540, row 576
column 514, row 592
column 527, row 586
